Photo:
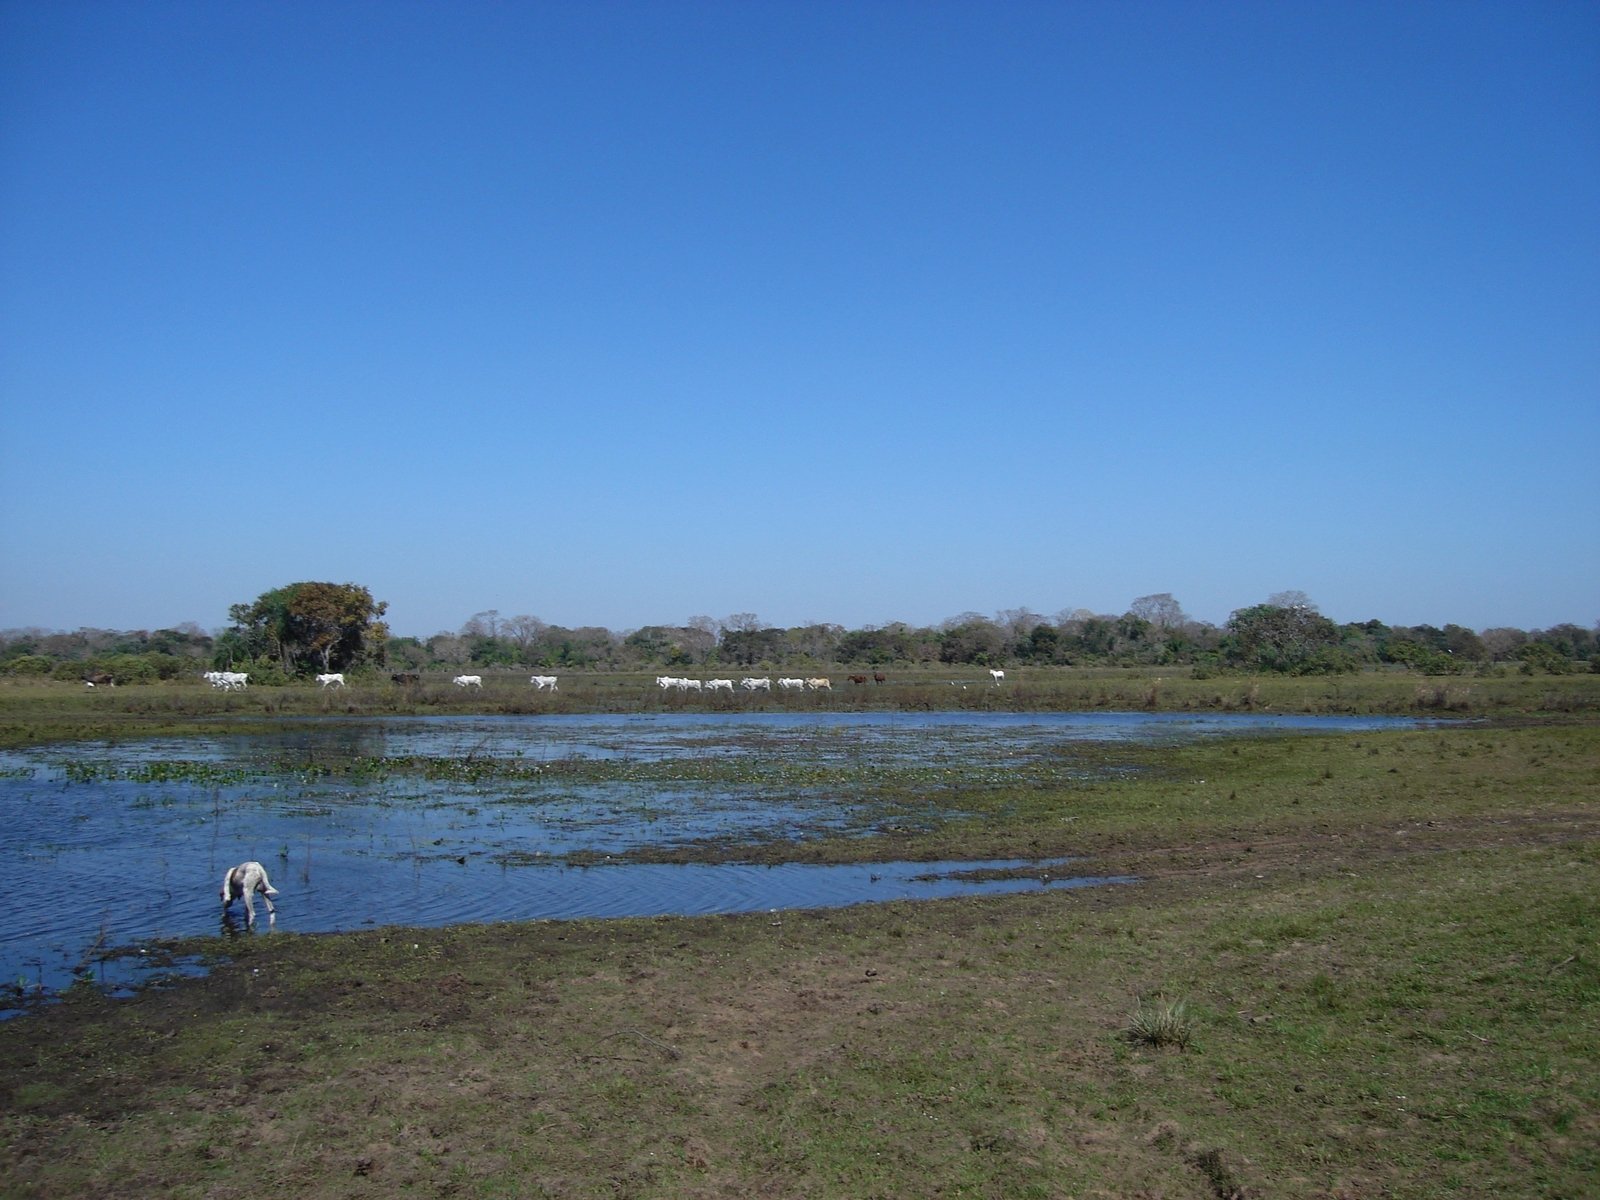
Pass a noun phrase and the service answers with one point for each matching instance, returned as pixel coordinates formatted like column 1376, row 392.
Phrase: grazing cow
column 751, row 682
column 540, row 682
column 465, row 681
column 996, row 675
column 792, row 684
column 336, row 679
column 405, row 678
column 719, row 685
column 817, row 685
column 879, row 677
column 857, row 678
column 242, row 882
column 101, row 680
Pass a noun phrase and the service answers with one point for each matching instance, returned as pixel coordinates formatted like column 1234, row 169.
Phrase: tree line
column 305, row 628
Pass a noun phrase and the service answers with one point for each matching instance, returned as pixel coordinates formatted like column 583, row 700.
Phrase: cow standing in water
column 241, row 883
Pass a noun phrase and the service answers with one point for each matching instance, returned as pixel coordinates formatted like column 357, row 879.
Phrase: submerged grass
column 910, row 1050
column 1384, row 944
column 33, row 711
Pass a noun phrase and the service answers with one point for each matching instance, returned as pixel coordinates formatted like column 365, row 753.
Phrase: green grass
column 1384, row 945
column 981, row 1051
column 35, row 711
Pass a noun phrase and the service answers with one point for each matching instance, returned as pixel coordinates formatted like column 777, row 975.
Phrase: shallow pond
column 435, row 821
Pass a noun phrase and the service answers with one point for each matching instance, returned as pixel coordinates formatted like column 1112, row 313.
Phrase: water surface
column 440, row 820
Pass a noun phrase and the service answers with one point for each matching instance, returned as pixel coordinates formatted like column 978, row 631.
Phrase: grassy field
column 31, row 712
column 1355, row 966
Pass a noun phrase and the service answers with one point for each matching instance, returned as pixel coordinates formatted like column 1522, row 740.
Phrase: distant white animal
column 750, row 683
column 327, row 680
column 227, row 681
column 996, row 675
column 719, row 685
column 540, row 682
column 792, row 684
column 665, row 681
column 242, row 882
column 462, row 681
column 817, row 685
column 689, row 685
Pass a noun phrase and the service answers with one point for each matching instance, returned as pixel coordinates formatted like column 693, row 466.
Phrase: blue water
column 98, row 854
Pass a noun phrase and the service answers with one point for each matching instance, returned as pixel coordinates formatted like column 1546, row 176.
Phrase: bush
column 29, row 666
column 1330, row 660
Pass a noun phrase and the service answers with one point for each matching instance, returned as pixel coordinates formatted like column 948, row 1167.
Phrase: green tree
column 747, row 647
column 971, row 638
column 314, row 626
column 30, row 664
column 1296, row 640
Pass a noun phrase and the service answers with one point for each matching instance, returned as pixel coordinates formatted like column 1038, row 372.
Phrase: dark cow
column 879, row 677
column 857, row 678
column 406, row 678
column 99, row 681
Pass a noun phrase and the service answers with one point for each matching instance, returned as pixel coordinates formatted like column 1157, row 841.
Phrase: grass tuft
column 1161, row 1023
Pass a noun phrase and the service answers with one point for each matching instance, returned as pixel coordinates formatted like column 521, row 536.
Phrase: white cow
column 689, row 685
column 540, row 682
column 817, row 685
column 792, row 684
column 996, row 675
column 242, row 882
column 750, row 683
column 665, row 681
column 719, row 685
column 336, row 678
column 226, row 681
column 463, row 681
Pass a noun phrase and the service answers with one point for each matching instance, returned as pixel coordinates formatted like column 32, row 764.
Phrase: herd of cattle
column 229, row 681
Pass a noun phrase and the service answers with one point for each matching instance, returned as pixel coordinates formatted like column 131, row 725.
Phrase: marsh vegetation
column 1380, row 946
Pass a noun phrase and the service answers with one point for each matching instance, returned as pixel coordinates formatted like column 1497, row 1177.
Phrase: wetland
column 1378, row 942
column 450, row 819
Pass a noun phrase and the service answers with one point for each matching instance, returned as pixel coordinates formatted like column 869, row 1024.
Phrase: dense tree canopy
column 314, row 627
column 309, row 627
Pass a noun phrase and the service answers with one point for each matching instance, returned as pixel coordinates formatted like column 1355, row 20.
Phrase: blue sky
column 620, row 313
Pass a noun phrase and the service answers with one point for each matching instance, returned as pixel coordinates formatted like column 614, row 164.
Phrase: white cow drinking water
column 241, row 883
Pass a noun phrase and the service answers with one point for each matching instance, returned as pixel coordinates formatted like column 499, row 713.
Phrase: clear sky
column 619, row 313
